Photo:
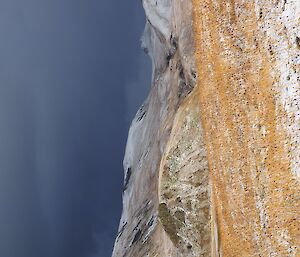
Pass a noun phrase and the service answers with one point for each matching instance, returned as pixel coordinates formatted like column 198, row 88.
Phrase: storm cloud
column 67, row 73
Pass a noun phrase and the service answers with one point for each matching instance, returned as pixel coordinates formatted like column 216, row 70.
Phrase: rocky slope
column 212, row 158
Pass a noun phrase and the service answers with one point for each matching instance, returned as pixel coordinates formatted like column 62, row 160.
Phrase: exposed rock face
column 212, row 162
column 248, row 61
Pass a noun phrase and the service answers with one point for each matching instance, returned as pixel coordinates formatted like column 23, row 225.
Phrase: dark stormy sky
column 71, row 77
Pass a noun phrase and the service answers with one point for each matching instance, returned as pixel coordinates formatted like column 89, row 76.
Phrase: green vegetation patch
column 180, row 215
column 168, row 222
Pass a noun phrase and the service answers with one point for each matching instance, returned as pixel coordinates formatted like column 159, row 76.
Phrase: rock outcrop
column 212, row 161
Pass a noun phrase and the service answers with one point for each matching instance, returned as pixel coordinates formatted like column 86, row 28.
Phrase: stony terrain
column 212, row 162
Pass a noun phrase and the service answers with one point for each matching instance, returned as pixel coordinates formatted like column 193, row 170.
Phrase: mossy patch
column 168, row 222
column 180, row 215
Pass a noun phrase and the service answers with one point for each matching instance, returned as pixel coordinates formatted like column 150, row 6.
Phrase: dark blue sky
column 71, row 77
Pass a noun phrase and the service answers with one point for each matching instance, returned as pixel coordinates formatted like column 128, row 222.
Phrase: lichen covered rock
column 248, row 64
